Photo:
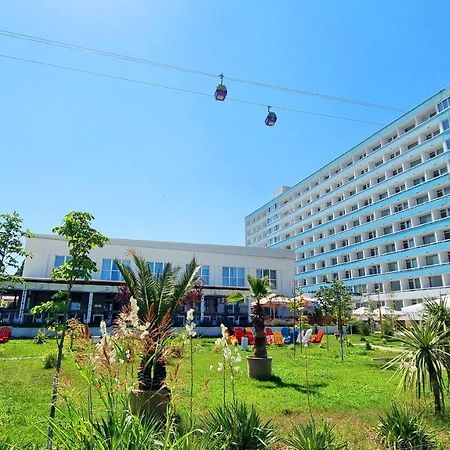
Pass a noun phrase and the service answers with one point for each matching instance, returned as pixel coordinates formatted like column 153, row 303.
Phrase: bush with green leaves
column 238, row 426
column 388, row 326
column 364, row 328
column 41, row 337
column 311, row 436
column 368, row 346
column 403, row 429
column 50, row 360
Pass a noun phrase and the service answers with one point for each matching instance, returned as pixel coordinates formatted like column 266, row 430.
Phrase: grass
column 351, row 394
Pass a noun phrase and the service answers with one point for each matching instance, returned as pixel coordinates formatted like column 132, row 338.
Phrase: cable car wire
column 175, row 88
column 291, row 90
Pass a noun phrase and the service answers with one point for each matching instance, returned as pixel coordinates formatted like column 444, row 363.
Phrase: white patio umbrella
column 362, row 313
column 416, row 312
column 385, row 311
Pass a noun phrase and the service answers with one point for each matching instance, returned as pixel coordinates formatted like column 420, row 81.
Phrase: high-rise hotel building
column 377, row 217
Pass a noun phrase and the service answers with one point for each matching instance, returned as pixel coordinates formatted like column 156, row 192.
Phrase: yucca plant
column 422, row 362
column 238, row 426
column 311, row 436
column 402, row 429
column 441, row 313
column 157, row 297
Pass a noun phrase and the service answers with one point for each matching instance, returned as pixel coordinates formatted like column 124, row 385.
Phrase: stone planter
column 147, row 404
column 259, row 368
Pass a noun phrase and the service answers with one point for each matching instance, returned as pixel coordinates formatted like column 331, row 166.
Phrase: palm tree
column 157, row 296
column 259, row 288
column 422, row 361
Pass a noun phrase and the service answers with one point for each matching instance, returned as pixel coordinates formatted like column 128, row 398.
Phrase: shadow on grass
column 312, row 388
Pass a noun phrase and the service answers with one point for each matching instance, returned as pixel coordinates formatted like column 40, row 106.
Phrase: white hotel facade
column 223, row 268
column 377, row 217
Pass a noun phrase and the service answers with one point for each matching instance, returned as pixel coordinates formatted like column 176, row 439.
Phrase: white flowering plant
column 230, row 363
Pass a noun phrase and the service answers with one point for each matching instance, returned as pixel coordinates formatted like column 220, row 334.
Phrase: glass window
column 110, row 271
column 425, row 219
column 204, row 274
column 60, row 260
column 429, row 239
column 233, row 276
column 271, row 274
column 411, row 263
column 444, row 104
column 395, row 285
column 392, row 267
column 390, row 248
column 415, row 162
column 157, row 268
column 422, row 199
column 435, row 281
column 414, row 283
column 431, row 260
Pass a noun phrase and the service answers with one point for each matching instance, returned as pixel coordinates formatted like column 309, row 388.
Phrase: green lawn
column 350, row 394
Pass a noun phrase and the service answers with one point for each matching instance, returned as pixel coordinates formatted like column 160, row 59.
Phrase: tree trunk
column 152, row 372
column 341, row 339
column 260, row 350
column 55, row 383
column 437, row 392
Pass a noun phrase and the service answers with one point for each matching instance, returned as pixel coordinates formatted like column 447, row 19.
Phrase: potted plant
column 155, row 298
column 259, row 365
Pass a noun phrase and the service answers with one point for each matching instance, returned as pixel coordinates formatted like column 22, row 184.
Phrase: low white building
column 224, row 268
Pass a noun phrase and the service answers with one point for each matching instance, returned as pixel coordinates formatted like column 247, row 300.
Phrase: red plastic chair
column 239, row 334
column 269, row 335
column 317, row 339
column 5, row 334
column 250, row 335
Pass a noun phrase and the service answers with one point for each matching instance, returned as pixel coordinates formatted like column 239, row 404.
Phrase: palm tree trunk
column 260, row 338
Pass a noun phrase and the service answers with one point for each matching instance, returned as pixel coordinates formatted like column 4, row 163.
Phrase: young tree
column 12, row 250
column 81, row 238
column 335, row 299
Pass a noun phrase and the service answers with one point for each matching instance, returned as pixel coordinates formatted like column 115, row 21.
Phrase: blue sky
column 163, row 165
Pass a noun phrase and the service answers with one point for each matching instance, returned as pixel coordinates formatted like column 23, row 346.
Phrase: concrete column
column 89, row 310
column 23, row 300
column 202, row 308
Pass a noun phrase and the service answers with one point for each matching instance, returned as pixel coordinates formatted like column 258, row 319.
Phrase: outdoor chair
column 239, row 334
column 286, row 335
column 303, row 338
column 250, row 335
column 5, row 333
column 317, row 339
column 278, row 338
column 231, row 339
column 269, row 335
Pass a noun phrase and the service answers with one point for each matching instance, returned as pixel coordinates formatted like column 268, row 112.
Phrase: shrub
column 364, row 328
column 50, row 360
column 312, row 437
column 388, row 326
column 237, row 426
column 369, row 346
column 41, row 337
column 401, row 429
